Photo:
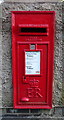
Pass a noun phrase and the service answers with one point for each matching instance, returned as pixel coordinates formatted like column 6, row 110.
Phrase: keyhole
column 24, row 78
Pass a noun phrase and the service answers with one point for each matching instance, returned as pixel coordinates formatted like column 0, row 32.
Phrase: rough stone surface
column 31, row 1
column 0, row 51
column 6, row 53
column 63, row 52
column 6, row 43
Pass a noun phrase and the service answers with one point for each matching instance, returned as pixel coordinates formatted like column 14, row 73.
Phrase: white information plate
column 32, row 62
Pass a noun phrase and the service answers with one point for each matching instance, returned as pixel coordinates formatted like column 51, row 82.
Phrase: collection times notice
column 32, row 62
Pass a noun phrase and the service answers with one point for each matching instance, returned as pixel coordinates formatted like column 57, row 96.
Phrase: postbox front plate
column 32, row 58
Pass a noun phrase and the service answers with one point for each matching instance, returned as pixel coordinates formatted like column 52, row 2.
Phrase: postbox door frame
column 14, row 63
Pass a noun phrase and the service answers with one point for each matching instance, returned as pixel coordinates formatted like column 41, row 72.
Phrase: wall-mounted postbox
column 32, row 58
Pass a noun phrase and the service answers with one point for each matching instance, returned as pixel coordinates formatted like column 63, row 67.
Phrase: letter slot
column 34, row 30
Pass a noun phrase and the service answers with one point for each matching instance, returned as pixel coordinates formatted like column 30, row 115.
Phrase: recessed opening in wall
column 33, row 30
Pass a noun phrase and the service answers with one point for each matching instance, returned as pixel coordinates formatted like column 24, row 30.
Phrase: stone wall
column 7, row 86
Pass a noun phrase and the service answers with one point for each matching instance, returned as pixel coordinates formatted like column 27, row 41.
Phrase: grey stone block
column 7, row 76
column 31, row 1
column 6, row 70
column 7, row 98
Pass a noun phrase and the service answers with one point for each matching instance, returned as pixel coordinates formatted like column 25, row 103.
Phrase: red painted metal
column 32, row 28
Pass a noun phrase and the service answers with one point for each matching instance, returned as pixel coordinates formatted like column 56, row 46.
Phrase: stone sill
column 33, row 118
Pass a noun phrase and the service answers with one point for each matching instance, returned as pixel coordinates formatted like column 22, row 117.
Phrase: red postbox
column 32, row 58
